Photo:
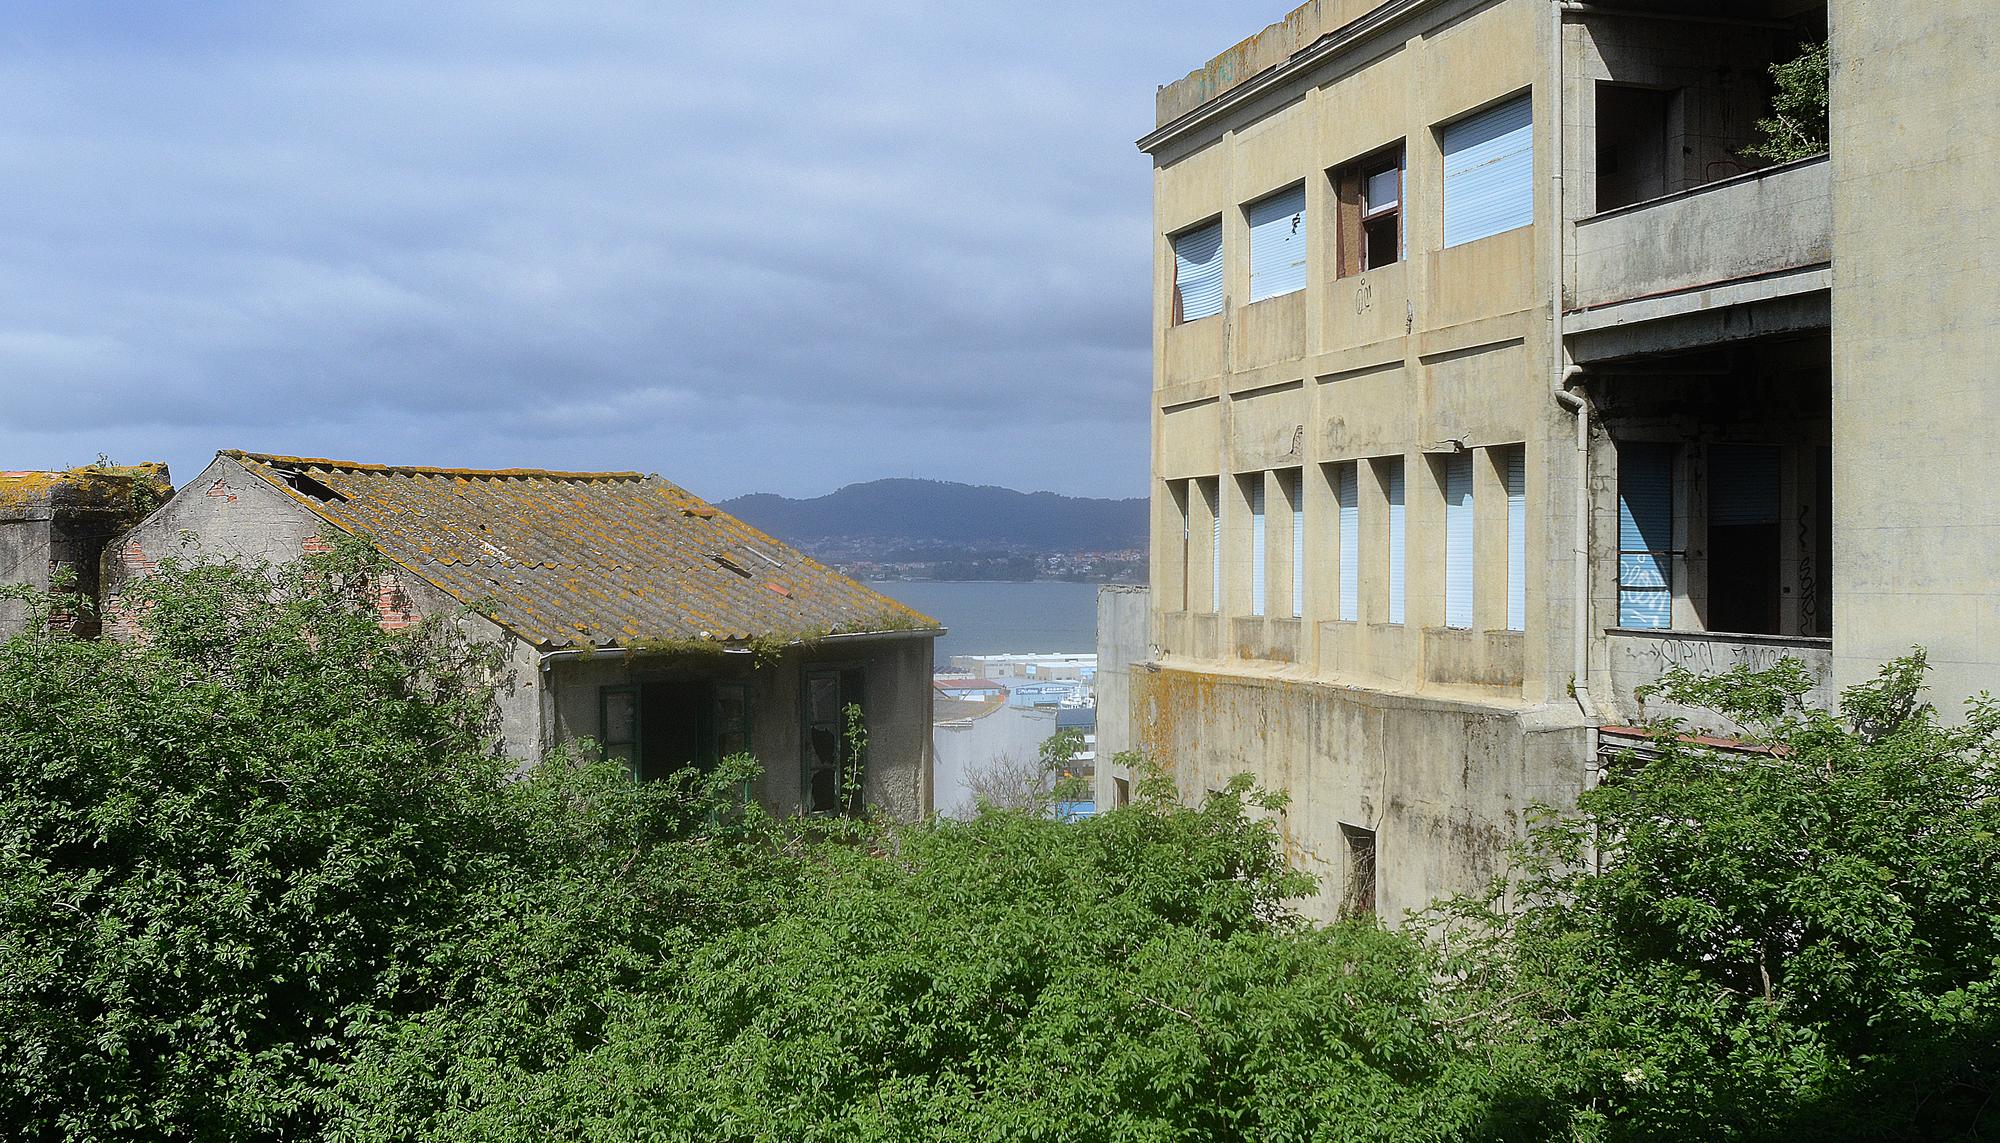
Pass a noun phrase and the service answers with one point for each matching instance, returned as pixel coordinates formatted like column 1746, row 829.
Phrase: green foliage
column 1797, row 125
column 261, row 877
column 1798, row 944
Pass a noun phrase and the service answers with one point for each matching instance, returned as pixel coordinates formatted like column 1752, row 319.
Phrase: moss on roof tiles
column 584, row 552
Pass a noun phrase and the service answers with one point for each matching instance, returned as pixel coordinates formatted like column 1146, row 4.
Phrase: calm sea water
column 1005, row 618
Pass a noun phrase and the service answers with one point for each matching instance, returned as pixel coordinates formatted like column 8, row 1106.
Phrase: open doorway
column 1632, row 136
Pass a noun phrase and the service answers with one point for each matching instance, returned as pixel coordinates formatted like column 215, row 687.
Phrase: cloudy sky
column 754, row 247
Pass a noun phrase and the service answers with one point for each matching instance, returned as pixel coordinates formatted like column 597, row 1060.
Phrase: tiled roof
column 585, row 559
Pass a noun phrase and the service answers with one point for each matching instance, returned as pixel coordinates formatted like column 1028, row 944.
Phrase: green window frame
column 724, row 716
column 831, row 779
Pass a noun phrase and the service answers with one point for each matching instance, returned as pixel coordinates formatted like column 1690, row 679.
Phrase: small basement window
column 1359, row 899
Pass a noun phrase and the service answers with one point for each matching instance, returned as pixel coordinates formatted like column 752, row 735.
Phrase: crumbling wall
column 1445, row 786
column 54, row 526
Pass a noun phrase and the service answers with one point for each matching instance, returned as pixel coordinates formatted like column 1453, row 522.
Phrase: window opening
column 1458, row 540
column 1645, row 535
column 1258, row 540
column 1370, row 197
column 1278, row 243
column 1347, row 495
column 1295, row 500
column 1198, row 273
column 1632, row 158
column 1392, row 489
column 1360, row 896
column 1743, row 539
column 1516, row 478
column 1489, row 172
column 835, row 777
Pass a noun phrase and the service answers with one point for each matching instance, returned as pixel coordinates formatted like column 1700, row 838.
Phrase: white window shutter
column 1257, row 566
column 1517, row 538
column 1278, row 244
column 1458, row 540
column 1350, row 542
column 1198, row 271
column 1489, row 172
column 1215, row 547
column 1295, row 493
column 1396, row 536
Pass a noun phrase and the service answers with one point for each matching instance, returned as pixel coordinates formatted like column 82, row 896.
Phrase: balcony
column 1750, row 238
column 1638, row 658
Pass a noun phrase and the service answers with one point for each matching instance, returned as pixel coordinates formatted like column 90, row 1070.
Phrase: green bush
column 262, row 877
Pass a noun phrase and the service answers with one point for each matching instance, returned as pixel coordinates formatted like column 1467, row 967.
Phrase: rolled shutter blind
column 1517, row 538
column 1278, row 244
column 1645, row 535
column 1257, row 567
column 1295, row 493
column 1458, row 540
column 1489, row 172
column 1350, row 544
column 1395, row 496
column 1198, row 271
column 1215, row 546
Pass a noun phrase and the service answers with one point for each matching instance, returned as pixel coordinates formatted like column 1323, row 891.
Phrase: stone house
column 630, row 612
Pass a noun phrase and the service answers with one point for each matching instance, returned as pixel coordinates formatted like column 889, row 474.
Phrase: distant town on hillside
column 934, row 529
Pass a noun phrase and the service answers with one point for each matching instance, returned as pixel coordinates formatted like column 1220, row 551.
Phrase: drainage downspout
column 1562, row 373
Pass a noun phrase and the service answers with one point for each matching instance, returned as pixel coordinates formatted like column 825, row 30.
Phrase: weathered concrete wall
column 1750, row 225
column 1444, row 785
column 1636, row 659
column 57, row 524
column 229, row 513
column 1000, row 735
column 1916, row 406
column 1122, row 624
column 1436, row 736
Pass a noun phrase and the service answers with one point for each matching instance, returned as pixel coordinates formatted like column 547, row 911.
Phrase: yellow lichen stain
column 138, row 487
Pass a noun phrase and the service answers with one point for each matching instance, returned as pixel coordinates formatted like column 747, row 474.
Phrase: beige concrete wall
column 1916, row 402
column 1442, row 351
column 1747, row 226
column 1444, row 786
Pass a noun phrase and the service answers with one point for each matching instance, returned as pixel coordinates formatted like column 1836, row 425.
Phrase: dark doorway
column 1632, row 158
column 675, row 716
column 1743, row 540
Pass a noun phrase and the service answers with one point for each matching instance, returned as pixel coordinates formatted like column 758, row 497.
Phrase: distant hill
column 936, row 512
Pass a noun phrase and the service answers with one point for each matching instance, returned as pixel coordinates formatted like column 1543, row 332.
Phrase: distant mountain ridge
column 913, row 511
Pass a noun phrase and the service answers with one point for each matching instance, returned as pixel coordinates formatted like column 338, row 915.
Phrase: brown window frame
column 1352, row 216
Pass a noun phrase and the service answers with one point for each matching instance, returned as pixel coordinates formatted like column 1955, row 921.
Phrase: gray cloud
column 754, row 248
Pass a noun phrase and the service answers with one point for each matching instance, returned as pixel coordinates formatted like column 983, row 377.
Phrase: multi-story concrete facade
column 1493, row 378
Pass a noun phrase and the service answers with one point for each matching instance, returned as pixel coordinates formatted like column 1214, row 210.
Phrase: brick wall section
column 393, row 608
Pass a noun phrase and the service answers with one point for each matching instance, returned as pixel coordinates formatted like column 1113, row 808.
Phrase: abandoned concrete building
column 1492, row 378
column 630, row 612
column 54, row 527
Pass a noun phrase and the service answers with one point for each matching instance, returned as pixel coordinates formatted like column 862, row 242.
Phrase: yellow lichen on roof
column 87, row 486
column 551, row 555
column 424, row 470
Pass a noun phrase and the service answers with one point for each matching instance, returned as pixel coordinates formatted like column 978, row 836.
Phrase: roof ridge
column 425, row 469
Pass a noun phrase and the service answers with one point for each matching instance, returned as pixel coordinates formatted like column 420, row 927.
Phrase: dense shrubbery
column 259, row 878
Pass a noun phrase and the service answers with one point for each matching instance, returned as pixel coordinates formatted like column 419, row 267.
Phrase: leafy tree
column 231, row 847
column 1797, row 943
column 1797, row 125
